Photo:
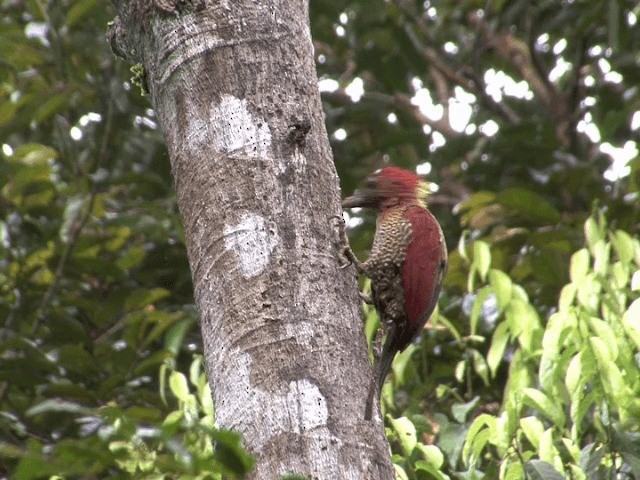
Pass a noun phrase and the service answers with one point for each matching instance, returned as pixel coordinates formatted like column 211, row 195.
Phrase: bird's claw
column 377, row 344
column 343, row 254
column 342, row 266
column 366, row 298
column 346, row 260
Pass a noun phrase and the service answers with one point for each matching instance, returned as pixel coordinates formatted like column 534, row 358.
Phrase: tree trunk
column 234, row 86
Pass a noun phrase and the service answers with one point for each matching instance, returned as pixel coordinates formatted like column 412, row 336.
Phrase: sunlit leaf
column 579, row 265
column 481, row 259
column 541, row 402
column 499, row 342
column 179, row 386
column 502, row 287
column 539, row 470
column 406, row 432
column 533, row 429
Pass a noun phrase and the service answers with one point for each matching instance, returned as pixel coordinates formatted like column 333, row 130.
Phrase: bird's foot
column 344, row 250
column 366, row 298
column 377, row 345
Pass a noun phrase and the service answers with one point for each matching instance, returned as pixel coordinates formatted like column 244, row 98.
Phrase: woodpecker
column 407, row 263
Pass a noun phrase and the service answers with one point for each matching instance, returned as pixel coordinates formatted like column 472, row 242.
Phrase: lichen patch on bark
column 311, row 409
column 252, row 242
column 238, row 133
column 300, row 409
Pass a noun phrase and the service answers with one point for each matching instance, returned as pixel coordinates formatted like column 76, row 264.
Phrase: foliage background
column 531, row 367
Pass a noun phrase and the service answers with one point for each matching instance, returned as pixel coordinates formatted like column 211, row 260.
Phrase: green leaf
column 541, row 402
column 506, row 428
column 179, row 386
column 524, row 324
column 35, row 154
column 547, row 451
column 619, row 275
column 462, row 246
column 502, row 287
column 611, row 377
column 432, row 454
column 601, row 350
column 460, row 370
column 40, row 173
column 433, row 472
column 579, row 265
column 480, row 442
column 567, row 296
column 590, row 459
column 588, row 292
column 51, row 106
column 530, row 205
column 399, row 473
column 514, row 471
column 480, row 423
column 575, row 374
column 195, row 370
column 604, row 332
column 139, row 299
column 481, row 259
column 174, row 338
column 539, row 470
column 624, row 245
column 206, row 400
column 593, row 233
column 406, row 432
column 601, row 258
column 480, row 365
column 499, row 342
column 401, row 363
column 229, row 452
column 31, row 468
column 533, row 429
column 8, row 450
column 459, row 411
column 482, row 295
column 630, row 322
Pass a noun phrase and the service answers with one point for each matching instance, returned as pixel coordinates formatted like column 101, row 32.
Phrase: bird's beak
column 365, row 198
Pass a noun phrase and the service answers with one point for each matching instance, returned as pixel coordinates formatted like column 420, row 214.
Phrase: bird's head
column 388, row 187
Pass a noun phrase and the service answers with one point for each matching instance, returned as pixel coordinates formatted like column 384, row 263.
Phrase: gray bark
column 234, row 86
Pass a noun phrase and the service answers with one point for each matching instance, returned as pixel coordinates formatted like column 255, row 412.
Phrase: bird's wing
column 423, row 270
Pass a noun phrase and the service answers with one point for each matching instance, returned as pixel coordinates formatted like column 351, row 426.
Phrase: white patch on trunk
column 298, row 410
column 301, row 409
column 252, row 243
column 310, row 406
column 236, row 131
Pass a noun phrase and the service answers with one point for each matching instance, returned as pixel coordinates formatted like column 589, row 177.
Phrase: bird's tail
column 382, row 370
